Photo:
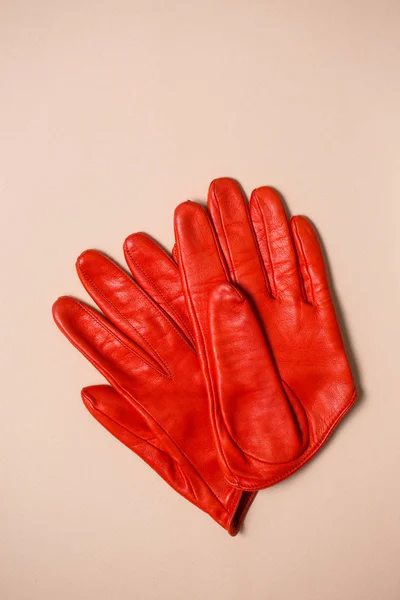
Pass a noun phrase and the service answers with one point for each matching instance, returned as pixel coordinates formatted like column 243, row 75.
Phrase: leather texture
column 157, row 404
column 253, row 279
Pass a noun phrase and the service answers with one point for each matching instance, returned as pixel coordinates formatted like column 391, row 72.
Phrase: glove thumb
column 255, row 415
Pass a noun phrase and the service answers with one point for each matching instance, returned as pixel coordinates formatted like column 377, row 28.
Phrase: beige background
column 111, row 112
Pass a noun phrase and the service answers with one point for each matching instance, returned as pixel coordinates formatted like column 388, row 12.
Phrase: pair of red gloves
column 226, row 365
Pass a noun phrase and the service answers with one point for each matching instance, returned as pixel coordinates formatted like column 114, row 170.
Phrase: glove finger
column 158, row 275
column 311, row 261
column 230, row 215
column 275, row 242
column 124, row 421
column 253, row 409
column 201, row 267
column 200, row 259
column 122, row 362
column 128, row 307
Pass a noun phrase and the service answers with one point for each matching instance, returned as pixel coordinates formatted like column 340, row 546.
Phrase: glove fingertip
column 64, row 310
column 185, row 212
column 89, row 398
column 226, row 292
column 99, row 397
column 135, row 240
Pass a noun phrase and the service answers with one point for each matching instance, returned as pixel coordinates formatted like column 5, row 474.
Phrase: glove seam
column 200, row 332
column 232, row 268
column 178, row 318
column 168, row 372
column 271, row 280
column 103, row 326
column 312, row 451
column 306, row 265
column 250, row 455
column 149, row 441
column 256, row 246
column 125, row 393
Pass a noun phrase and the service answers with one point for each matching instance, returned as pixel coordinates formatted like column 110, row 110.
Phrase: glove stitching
column 125, row 393
column 313, row 450
column 103, row 326
column 270, row 272
column 176, row 316
column 256, row 246
column 267, row 462
column 305, row 263
column 200, row 332
column 148, row 441
column 168, row 372
column 231, row 267
column 322, row 441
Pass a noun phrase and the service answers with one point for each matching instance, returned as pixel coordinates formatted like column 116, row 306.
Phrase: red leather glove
column 278, row 268
column 157, row 405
